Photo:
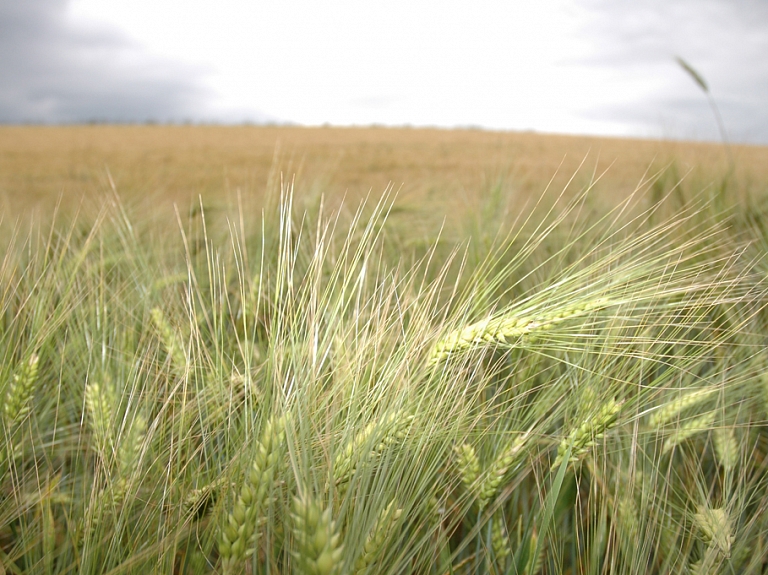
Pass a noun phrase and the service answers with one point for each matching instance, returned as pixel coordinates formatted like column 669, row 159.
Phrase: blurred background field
column 442, row 169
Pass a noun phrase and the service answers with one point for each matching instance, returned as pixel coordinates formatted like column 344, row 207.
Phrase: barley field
column 378, row 351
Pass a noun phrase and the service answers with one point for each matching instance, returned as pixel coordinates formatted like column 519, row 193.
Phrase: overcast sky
column 572, row 66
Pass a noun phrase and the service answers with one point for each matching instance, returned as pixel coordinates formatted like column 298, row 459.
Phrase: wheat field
column 357, row 351
column 179, row 163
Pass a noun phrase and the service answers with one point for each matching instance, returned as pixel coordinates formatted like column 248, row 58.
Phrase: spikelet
column 717, row 527
column 508, row 328
column 393, row 428
column 691, row 428
column 726, row 447
column 170, row 340
column 500, row 541
column 20, row 391
column 498, row 469
column 669, row 411
column 584, row 437
column 380, row 533
column 318, row 545
column 469, row 467
column 101, row 404
column 238, row 536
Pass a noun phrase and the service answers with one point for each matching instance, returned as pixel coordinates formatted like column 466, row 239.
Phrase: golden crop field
column 166, row 164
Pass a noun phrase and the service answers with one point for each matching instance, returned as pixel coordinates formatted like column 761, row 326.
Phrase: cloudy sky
column 571, row 66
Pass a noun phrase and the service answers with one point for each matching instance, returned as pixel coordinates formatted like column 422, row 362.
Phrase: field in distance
column 160, row 165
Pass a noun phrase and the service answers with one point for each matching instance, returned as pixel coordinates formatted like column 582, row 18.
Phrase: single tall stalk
column 699, row 79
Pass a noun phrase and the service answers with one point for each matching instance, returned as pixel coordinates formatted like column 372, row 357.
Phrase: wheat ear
column 726, row 447
column 508, row 328
column 318, row 545
column 170, row 340
column 688, row 430
column 670, row 410
column 500, row 544
column 20, row 391
column 628, row 525
column 238, row 536
column 498, row 469
column 393, row 428
column 717, row 527
column 130, row 446
column 196, row 501
column 380, row 533
column 584, row 437
column 469, row 467
column 101, row 404
column 535, row 560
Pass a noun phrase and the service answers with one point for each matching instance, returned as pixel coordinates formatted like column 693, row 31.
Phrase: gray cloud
column 726, row 40
column 53, row 72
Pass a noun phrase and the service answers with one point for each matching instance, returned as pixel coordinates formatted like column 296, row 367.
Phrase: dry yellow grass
column 165, row 164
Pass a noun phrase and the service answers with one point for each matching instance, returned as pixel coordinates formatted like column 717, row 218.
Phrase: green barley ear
column 628, row 524
column 469, row 467
column 726, row 447
column 691, row 428
column 238, row 536
column 586, row 436
column 717, row 528
column 393, row 428
column 498, row 469
column 197, row 501
column 380, row 533
column 20, row 391
column 170, row 339
column 764, row 385
column 318, row 548
column 101, row 403
column 508, row 328
column 502, row 548
column 670, row 410
column 535, row 560
column 130, row 446
column 48, row 533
